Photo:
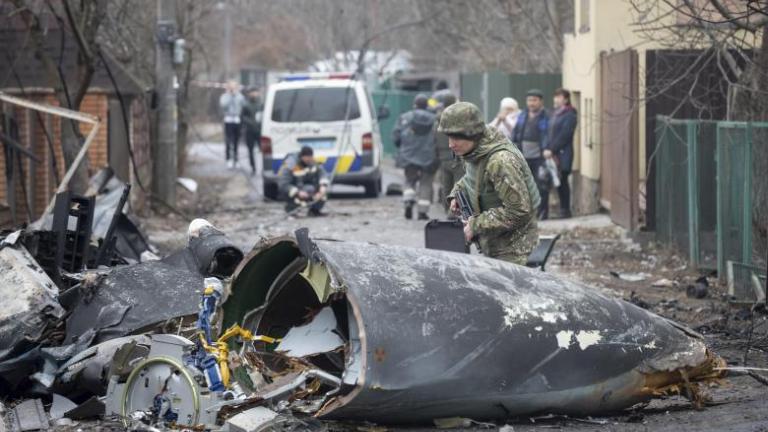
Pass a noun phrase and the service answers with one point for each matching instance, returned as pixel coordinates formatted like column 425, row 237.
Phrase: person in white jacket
column 231, row 105
column 507, row 117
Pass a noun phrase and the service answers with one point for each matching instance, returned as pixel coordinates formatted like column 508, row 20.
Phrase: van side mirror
column 383, row 112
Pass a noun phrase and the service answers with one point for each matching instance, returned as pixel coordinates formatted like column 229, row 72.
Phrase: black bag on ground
column 447, row 235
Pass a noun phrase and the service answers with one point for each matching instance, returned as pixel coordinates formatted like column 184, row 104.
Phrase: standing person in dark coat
column 414, row 137
column 562, row 125
column 530, row 137
column 251, row 116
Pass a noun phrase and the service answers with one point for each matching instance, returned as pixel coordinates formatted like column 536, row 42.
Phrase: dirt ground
column 591, row 250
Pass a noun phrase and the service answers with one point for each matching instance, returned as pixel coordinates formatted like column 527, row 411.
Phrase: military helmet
column 462, row 118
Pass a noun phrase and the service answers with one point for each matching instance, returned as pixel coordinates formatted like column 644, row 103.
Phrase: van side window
column 315, row 105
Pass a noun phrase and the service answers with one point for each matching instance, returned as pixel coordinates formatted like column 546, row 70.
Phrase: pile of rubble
column 209, row 339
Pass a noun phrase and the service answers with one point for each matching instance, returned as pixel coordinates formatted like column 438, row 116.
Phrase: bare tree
column 509, row 35
column 82, row 20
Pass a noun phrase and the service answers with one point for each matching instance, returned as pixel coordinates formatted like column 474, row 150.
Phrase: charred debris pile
column 302, row 329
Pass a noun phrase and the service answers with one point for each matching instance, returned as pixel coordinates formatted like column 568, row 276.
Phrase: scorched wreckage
column 335, row 330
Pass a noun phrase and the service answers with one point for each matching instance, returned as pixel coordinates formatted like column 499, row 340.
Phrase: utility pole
column 165, row 153
column 227, row 40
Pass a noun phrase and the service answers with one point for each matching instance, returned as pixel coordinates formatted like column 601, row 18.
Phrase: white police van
column 333, row 114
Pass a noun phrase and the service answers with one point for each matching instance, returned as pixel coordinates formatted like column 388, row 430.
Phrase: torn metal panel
column 432, row 334
column 61, row 405
column 131, row 298
column 30, row 309
column 93, row 407
column 114, row 228
column 134, row 298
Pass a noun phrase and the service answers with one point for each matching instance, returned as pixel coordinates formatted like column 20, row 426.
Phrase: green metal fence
column 736, row 186
column 486, row 89
column 705, row 188
column 483, row 89
column 398, row 102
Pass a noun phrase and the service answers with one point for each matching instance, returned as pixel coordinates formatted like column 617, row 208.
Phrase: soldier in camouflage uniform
column 498, row 184
column 451, row 167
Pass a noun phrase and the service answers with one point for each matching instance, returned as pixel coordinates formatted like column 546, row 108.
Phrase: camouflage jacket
column 498, row 184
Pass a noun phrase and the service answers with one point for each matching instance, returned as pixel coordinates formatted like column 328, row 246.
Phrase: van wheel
column 270, row 191
column 373, row 189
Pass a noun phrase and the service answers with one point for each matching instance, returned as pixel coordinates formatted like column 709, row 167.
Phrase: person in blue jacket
column 562, row 125
column 530, row 136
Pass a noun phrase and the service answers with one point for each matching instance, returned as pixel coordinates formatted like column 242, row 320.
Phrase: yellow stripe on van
column 344, row 163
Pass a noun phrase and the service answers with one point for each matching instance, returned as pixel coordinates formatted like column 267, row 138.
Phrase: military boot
column 409, row 209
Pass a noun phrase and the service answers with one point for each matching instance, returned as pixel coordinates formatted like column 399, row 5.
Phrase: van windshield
column 315, row 105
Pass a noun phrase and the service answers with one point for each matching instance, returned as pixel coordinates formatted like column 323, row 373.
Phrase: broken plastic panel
column 429, row 334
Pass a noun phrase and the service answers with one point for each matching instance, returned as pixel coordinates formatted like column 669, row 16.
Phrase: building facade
column 624, row 68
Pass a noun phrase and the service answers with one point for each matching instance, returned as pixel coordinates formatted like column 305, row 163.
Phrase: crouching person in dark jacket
column 304, row 182
column 562, row 125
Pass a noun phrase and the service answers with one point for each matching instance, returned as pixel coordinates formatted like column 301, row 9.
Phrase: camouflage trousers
column 519, row 259
column 450, row 172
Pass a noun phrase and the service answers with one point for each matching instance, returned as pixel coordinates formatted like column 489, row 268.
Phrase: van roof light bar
column 318, row 75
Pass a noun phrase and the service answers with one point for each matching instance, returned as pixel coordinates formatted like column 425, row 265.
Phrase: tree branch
column 745, row 25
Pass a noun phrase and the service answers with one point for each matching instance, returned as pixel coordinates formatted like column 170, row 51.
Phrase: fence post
column 691, row 130
column 746, row 251
column 657, row 159
column 719, row 182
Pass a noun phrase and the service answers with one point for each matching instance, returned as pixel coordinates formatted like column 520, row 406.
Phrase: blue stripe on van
column 356, row 165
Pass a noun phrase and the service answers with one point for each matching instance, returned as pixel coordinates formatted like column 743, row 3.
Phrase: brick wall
column 98, row 153
column 40, row 179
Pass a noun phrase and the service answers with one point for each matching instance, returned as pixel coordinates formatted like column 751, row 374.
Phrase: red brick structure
column 34, row 182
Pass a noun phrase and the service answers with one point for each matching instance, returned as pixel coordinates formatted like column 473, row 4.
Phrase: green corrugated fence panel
column 398, row 102
column 706, row 185
column 673, row 179
column 472, row 88
column 734, row 191
column 500, row 85
column 695, row 158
